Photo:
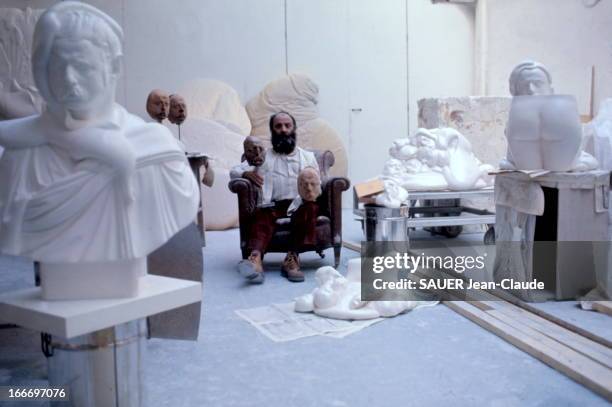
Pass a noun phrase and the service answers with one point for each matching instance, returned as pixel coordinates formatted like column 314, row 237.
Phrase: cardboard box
column 368, row 188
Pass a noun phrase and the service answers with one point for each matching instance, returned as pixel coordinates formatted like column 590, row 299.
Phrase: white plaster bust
column 85, row 185
column 339, row 297
column 543, row 130
column 432, row 159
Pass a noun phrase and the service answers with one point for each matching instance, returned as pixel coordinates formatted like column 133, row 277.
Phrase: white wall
column 356, row 51
column 440, row 52
column 371, row 59
column 564, row 35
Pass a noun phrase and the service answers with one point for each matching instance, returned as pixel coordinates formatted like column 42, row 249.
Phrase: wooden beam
column 562, row 358
column 351, row 246
column 605, row 307
column 552, row 318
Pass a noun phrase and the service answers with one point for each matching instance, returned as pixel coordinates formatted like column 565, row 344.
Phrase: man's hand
column 254, row 177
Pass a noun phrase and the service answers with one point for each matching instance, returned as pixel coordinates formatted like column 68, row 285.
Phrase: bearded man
column 278, row 178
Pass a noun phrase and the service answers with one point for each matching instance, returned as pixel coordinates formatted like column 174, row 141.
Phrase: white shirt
column 280, row 173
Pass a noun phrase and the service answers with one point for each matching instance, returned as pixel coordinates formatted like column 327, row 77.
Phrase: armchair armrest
column 247, row 202
column 247, row 194
column 332, row 195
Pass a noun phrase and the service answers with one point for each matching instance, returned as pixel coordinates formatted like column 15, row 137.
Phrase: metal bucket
column 101, row 369
column 386, row 224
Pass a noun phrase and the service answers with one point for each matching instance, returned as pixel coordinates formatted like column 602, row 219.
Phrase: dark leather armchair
column 329, row 222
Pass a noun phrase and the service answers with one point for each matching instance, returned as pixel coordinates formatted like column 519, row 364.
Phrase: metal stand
column 435, row 213
column 95, row 347
column 196, row 162
column 101, row 369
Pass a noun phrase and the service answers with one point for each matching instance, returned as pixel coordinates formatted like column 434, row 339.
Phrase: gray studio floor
column 430, row 357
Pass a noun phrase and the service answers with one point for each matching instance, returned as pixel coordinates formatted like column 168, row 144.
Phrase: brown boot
column 291, row 268
column 252, row 268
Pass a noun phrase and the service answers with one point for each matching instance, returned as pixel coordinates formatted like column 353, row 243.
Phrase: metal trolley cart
column 439, row 212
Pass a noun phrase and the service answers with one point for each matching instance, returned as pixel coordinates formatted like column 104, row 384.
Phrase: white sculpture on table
column 339, row 297
column 434, row 159
column 544, row 130
column 86, row 188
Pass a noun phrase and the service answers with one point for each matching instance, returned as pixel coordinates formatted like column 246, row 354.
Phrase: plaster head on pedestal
column 309, row 184
column 254, row 151
column 178, row 109
column 158, row 105
column 76, row 61
column 530, row 78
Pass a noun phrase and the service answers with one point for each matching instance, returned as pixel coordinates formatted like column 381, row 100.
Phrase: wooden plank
column 552, row 318
column 351, row 246
column 605, row 307
column 567, row 361
column 486, row 301
column 593, row 350
column 537, row 311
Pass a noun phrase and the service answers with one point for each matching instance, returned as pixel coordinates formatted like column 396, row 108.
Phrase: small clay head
column 178, row 109
column 158, row 105
column 254, row 151
column 309, row 184
column 283, row 128
column 530, row 78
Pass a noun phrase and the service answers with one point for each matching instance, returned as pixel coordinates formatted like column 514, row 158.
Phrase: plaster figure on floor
column 339, row 297
column 543, row 130
column 158, row 105
column 431, row 159
column 278, row 178
column 82, row 181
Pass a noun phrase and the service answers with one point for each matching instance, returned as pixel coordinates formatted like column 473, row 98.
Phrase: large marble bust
column 85, row 185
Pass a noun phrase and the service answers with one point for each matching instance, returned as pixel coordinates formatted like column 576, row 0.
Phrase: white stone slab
column 68, row 319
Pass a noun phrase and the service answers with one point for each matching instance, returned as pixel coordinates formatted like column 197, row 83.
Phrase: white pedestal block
column 80, row 281
column 68, row 319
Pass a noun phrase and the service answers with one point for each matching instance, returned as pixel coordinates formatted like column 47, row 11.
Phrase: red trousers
column 303, row 225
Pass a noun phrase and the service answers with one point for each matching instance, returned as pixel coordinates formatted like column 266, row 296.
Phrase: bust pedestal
column 97, row 346
column 553, row 228
column 80, row 281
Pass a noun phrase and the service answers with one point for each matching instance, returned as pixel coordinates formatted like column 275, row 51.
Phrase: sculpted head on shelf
column 530, row 78
column 178, row 109
column 76, row 61
column 158, row 105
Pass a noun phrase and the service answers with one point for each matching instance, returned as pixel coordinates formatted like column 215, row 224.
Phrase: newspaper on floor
column 281, row 323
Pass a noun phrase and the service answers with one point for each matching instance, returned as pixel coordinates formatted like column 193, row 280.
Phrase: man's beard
column 283, row 144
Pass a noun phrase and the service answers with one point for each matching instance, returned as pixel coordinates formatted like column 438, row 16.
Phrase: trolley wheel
column 489, row 236
column 451, row 231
